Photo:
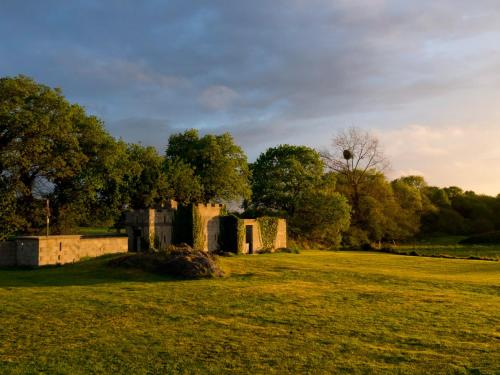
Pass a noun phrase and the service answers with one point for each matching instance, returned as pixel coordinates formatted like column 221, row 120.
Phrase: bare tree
column 355, row 154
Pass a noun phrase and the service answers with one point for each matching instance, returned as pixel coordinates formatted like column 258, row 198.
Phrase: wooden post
column 47, row 210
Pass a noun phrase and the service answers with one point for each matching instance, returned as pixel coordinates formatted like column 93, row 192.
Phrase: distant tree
column 215, row 160
column 356, row 155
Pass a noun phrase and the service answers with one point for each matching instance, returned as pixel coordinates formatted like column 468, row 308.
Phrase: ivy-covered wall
column 199, row 226
column 268, row 227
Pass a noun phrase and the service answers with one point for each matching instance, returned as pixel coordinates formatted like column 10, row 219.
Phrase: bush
column 180, row 261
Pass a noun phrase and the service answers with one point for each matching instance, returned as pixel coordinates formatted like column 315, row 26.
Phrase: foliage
column 241, row 236
column 281, row 174
column 355, row 156
column 38, row 145
column 387, row 211
column 185, row 185
column 146, row 184
column 322, row 214
column 51, row 149
column 268, row 227
column 219, row 165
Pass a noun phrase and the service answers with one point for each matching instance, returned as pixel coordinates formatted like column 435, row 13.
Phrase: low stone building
column 203, row 226
column 51, row 250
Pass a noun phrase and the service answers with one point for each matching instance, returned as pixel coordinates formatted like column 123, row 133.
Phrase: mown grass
column 314, row 312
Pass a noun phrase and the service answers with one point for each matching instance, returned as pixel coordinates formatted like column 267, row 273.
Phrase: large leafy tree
column 146, row 181
column 38, row 145
column 51, row 149
column 282, row 174
column 218, row 165
column 290, row 181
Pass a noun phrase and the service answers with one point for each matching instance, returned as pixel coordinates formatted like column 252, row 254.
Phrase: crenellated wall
column 198, row 225
column 210, row 216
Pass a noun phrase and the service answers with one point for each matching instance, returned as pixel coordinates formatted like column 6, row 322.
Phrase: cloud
column 290, row 71
column 217, row 97
column 465, row 156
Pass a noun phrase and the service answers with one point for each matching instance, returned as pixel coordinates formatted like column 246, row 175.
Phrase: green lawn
column 315, row 312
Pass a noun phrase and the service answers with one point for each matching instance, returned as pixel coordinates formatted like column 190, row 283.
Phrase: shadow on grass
column 88, row 272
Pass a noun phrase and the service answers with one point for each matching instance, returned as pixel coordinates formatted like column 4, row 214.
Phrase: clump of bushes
column 180, row 261
column 490, row 238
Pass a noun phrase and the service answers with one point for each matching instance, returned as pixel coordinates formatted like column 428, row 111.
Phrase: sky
column 423, row 76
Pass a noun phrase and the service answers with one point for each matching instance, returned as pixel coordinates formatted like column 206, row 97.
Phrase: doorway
column 249, row 238
column 136, row 240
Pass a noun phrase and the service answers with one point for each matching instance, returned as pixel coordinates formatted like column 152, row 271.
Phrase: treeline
column 53, row 150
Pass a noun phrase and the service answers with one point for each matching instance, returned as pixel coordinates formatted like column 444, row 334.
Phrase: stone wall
column 210, row 217
column 43, row 250
column 8, row 256
column 281, row 236
column 256, row 238
column 27, row 251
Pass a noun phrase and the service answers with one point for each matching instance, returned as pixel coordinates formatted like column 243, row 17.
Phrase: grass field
column 315, row 312
column 449, row 246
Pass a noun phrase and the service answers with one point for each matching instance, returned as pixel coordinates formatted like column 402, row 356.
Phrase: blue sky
column 423, row 76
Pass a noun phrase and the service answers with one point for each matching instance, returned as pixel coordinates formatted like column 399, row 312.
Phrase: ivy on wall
column 241, row 236
column 268, row 230
column 198, row 232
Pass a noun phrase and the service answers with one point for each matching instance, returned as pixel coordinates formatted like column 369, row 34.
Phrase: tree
column 290, row 181
column 356, row 155
column 184, row 184
column 38, row 145
column 147, row 184
column 282, row 174
column 215, row 160
column 50, row 148
column 321, row 214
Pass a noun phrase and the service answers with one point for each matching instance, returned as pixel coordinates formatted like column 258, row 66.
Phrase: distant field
column 449, row 246
column 92, row 231
column 315, row 312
